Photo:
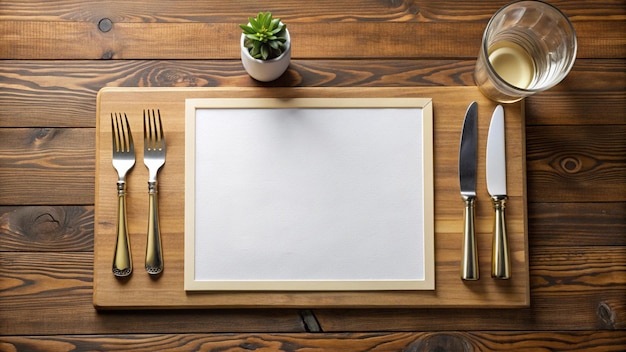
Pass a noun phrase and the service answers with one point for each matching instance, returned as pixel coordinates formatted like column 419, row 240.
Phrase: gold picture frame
column 397, row 257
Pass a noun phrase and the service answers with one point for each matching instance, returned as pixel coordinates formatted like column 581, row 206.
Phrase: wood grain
column 601, row 341
column 46, row 228
column 319, row 11
column 559, row 162
column 598, row 224
column 42, row 165
column 154, row 40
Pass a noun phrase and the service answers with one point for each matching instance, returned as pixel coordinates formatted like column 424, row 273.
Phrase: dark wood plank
column 63, row 94
column 231, row 11
column 47, row 166
column 58, row 40
column 321, row 10
column 46, row 228
column 592, row 94
column 150, row 40
column 585, row 224
column 575, row 164
column 586, row 284
column 578, row 269
column 604, row 341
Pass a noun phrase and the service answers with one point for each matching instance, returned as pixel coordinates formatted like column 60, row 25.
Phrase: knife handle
column 500, row 259
column 122, row 262
column 469, row 264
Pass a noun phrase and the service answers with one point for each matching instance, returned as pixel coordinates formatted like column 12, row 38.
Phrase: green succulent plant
column 265, row 37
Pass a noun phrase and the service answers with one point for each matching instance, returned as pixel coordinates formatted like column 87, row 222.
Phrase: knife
column 496, row 185
column 468, row 157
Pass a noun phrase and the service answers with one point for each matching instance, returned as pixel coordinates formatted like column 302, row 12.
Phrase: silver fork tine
column 129, row 146
column 161, row 135
column 119, row 133
column 147, row 130
column 123, row 161
column 154, row 158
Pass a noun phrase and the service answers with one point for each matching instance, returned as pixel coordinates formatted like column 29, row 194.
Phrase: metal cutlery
column 496, row 185
column 123, row 161
column 468, row 158
column 154, row 158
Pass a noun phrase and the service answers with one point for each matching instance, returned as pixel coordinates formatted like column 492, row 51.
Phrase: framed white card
column 309, row 194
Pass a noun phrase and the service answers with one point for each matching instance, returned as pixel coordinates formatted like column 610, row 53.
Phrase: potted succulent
column 265, row 47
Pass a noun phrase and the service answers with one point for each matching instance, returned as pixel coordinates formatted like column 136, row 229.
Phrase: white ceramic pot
column 266, row 70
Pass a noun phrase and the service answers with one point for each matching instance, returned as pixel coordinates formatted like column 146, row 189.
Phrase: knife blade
column 468, row 158
column 496, row 186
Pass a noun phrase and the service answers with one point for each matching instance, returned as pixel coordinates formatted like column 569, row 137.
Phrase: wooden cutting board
column 140, row 291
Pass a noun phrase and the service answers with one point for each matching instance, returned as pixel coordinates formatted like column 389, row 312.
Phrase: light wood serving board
column 140, row 291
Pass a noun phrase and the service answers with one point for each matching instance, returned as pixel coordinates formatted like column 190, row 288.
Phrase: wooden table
column 56, row 59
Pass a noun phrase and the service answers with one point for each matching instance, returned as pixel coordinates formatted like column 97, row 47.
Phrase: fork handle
column 122, row 262
column 154, row 251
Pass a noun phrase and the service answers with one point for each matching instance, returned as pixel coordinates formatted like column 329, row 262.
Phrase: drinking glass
column 527, row 47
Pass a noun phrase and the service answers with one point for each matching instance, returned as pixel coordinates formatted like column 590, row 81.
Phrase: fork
column 154, row 158
column 123, row 161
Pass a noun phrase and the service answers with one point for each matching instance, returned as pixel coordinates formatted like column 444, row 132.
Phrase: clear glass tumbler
column 527, row 47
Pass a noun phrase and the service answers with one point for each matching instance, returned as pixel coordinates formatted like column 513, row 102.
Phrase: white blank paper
column 308, row 194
